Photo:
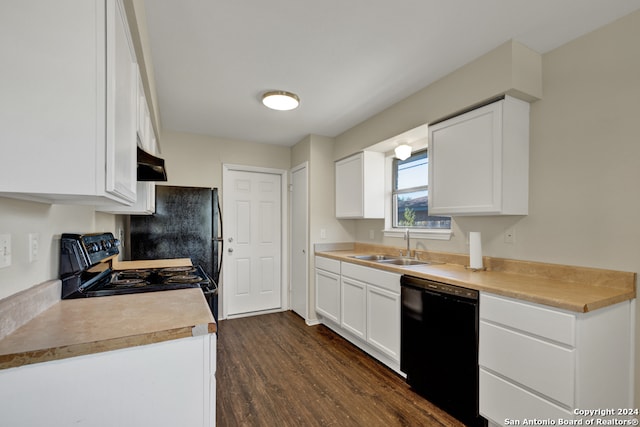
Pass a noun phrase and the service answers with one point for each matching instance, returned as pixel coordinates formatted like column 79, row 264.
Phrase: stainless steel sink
column 374, row 257
column 393, row 260
column 404, row 261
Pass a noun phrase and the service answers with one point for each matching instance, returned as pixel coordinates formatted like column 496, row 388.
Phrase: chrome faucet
column 407, row 237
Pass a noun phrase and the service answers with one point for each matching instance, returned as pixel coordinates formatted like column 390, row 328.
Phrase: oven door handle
column 209, row 291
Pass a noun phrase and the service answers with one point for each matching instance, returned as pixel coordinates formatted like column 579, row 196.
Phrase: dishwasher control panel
column 445, row 288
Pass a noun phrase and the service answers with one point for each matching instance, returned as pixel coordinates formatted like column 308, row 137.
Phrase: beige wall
column 196, row 160
column 19, row 218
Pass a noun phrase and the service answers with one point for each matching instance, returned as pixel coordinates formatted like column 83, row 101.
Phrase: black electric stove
column 85, row 271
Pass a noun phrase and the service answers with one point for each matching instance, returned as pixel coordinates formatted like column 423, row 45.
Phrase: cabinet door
column 383, row 321
column 161, row 384
column 349, row 187
column 360, row 186
column 464, row 163
column 328, row 295
column 479, row 161
column 354, row 307
column 145, row 202
column 49, row 80
column 122, row 105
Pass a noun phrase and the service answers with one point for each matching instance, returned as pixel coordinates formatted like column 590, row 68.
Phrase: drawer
column 372, row 276
column 328, row 264
column 539, row 365
column 501, row 401
column 531, row 318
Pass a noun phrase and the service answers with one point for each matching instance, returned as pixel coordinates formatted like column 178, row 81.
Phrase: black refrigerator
column 187, row 224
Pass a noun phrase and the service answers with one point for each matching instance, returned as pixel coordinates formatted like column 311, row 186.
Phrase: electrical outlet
column 323, row 233
column 34, row 246
column 372, row 234
column 5, row 250
column 510, row 235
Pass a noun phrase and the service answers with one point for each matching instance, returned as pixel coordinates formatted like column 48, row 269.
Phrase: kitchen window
column 409, row 201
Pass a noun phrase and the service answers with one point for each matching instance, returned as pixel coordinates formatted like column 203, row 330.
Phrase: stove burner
column 134, row 274
column 168, row 271
column 184, row 278
column 129, row 283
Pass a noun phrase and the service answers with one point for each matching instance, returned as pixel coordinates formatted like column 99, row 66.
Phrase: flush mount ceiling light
column 280, row 100
column 403, row 151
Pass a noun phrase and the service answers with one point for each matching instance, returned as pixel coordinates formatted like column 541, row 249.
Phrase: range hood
column 150, row 167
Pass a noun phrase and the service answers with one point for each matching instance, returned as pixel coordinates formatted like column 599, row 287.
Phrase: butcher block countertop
column 78, row 327
column 576, row 289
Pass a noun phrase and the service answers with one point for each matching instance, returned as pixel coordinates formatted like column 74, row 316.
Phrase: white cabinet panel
column 479, row 161
column 328, row 294
column 354, row 307
column 536, row 359
column 531, row 318
column 374, row 276
column 383, row 321
column 327, row 264
column 360, row 186
column 122, row 105
column 534, row 363
column 165, row 384
column 145, row 203
column 69, row 107
column 501, row 401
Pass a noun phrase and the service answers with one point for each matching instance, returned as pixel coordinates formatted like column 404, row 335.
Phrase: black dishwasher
column 439, row 345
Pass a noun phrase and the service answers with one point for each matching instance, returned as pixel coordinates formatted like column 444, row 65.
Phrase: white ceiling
column 346, row 59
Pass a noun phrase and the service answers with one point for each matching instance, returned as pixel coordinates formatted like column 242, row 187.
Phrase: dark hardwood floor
column 274, row 370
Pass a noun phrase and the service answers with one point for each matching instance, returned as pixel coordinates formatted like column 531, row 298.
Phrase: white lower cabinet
column 383, row 321
column 540, row 363
column 354, row 307
column 171, row 383
column 327, row 279
column 369, row 307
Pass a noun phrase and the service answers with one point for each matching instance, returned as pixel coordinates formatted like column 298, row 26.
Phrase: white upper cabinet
column 68, row 105
column 145, row 203
column 360, row 186
column 479, row 161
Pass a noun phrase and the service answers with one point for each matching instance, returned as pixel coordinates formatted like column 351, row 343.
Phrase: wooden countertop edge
column 615, row 294
column 29, row 357
column 45, row 338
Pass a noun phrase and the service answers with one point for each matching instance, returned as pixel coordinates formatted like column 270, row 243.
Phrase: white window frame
column 389, row 230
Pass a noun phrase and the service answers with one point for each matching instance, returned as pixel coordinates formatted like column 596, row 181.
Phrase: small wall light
column 403, row 151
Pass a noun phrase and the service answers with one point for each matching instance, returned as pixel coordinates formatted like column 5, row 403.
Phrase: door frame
column 284, row 227
column 303, row 166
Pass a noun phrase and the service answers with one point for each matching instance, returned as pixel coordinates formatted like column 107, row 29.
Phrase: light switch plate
column 34, row 246
column 5, row 250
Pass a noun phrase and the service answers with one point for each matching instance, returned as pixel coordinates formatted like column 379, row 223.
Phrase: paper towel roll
column 475, row 250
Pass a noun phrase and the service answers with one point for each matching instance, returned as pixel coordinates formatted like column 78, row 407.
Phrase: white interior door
column 253, row 234
column 299, row 240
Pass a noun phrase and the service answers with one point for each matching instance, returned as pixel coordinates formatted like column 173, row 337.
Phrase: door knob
column 230, row 239
column 230, row 250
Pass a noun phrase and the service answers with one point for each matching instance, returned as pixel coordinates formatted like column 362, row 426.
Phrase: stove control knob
column 106, row 244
